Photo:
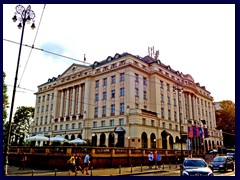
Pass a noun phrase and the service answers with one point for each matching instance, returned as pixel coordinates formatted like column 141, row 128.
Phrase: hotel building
column 126, row 101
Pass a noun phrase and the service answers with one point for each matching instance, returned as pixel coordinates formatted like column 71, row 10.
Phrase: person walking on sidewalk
column 23, row 160
column 158, row 158
column 86, row 163
column 150, row 160
column 72, row 165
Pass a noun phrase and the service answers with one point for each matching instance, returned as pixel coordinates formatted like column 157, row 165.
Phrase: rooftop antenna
column 84, row 58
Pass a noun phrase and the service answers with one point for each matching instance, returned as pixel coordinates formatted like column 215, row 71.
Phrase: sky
column 195, row 39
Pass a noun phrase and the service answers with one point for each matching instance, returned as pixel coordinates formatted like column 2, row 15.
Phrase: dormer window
column 73, row 69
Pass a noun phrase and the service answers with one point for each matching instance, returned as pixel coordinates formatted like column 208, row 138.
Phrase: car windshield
column 219, row 159
column 195, row 163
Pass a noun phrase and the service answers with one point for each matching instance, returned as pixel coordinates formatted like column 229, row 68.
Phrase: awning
column 119, row 130
column 165, row 133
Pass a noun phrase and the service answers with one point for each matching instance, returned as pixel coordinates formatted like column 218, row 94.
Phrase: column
column 67, row 103
column 79, row 99
column 73, row 102
column 61, row 104
column 190, row 106
column 55, row 98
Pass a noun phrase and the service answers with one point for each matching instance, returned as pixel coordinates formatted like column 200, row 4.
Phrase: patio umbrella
column 58, row 139
column 78, row 141
column 37, row 137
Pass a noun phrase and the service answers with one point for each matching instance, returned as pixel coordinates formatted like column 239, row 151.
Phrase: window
column 112, row 122
column 67, row 126
column 39, row 130
column 39, row 99
column 136, row 77
column 121, row 121
column 42, row 108
column 104, row 95
column 136, row 105
column 121, row 107
column 152, row 123
column 47, row 108
column 113, row 93
column 112, row 108
column 51, row 107
column 162, row 112
column 52, row 95
column 97, row 84
column 168, row 98
column 55, row 128
column 38, row 109
column 104, row 110
column 174, row 101
column 122, row 92
column 44, row 129
column 170, row 126
column 79, row 125
column 144, row 95
column 113, row 79
column 94, row 124
column 73, row 125
column 169, row 114
column 144, row 81
column 161, row 84
column 168, row 87
column 175, row 115
column 162, row 98
column 143, row 121
column 105, row 82
column 136, row 92
column 163, row 125
column 96, row 111
column 122, row 77
column 176, row 127
column 102, row 123
column 48, row 97
column 96, row 97
column 43, row 99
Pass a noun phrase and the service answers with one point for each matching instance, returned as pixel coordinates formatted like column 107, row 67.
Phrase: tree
column 21, row 124
column 225, row 118
column 5, row 99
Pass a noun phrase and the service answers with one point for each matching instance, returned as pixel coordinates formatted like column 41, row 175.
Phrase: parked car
column 231, row 155
column 222, row 163
column 195, row 167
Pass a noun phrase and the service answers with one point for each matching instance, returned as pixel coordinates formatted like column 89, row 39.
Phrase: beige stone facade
column 126, row 101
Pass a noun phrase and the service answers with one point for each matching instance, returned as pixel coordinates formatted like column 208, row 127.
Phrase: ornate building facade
column 126, row 101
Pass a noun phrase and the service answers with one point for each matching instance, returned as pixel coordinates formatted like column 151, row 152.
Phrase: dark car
column 195, row 167
column 222, row 163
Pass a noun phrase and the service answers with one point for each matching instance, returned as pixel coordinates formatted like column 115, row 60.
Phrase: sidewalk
column 123, row 171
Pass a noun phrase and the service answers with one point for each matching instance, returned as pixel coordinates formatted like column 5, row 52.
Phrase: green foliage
column 21, row 123
column 5, row 98
column 225, row 118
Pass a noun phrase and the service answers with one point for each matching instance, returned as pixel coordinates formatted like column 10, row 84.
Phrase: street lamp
column 179, row 89
column 26, row 15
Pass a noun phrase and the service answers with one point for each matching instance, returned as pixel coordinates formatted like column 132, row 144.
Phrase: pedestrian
column 78, row 162
column 150, row 160
column 72, row 165
column 158, row 158
column 23, row 160
column 86, row 163
column 154, row 159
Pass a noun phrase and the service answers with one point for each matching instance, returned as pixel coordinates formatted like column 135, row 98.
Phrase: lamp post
column 179, row 89
column 26, row 15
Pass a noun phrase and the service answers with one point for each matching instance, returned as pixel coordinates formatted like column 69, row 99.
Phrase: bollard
column 163, row 166
column 131, row 168
column 119, row 169
column 56, row 172
column 170, row 166
column 91, row 170
column 141, row 167
column 32, row 172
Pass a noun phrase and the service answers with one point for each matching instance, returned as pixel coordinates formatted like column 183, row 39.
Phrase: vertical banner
column 205, row 133
column 194, row 131
column 190, row 131
column 201, row 131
